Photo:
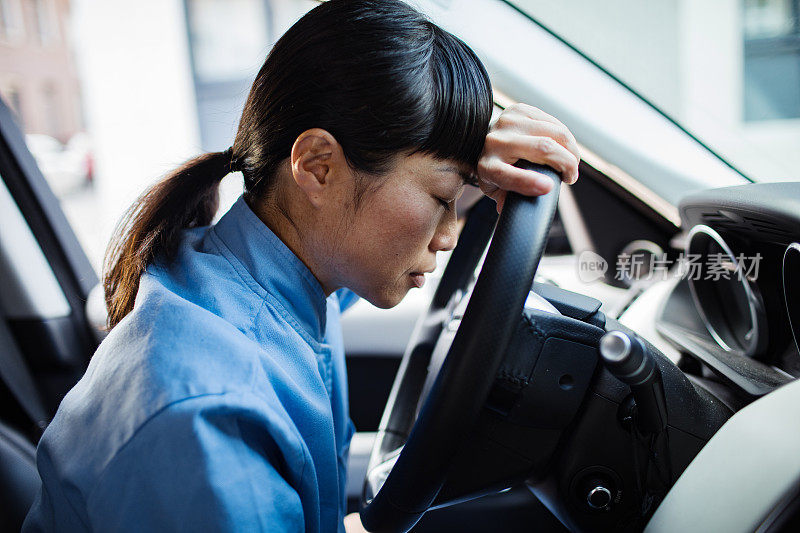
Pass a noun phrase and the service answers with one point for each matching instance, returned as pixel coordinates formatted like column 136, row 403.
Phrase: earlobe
column 313, row 158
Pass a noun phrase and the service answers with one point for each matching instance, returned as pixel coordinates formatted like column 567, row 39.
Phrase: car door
column 46, row 280
column 45, row 338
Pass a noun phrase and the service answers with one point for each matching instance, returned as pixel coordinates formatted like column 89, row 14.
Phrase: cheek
column 410, row 227
column 395, row 235
column 413, row 218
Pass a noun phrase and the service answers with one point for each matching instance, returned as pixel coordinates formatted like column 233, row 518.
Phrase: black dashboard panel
column 756, row 221
column 791, row 289
column 614, row 218
column 764, row 212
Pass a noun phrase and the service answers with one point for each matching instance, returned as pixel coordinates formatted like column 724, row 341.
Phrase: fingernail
column 544, row 184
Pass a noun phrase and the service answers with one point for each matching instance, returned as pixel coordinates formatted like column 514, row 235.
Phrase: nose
column 446, row 235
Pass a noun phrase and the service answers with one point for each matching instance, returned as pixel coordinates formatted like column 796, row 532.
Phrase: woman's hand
column 352, row 524
column 525, row 132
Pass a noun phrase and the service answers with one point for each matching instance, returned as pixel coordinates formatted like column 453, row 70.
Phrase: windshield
column 728, row 72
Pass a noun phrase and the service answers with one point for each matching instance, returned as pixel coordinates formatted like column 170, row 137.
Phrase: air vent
column 766, row 225
column 746, row 224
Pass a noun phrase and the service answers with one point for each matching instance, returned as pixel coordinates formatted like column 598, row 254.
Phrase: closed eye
column 447, row 204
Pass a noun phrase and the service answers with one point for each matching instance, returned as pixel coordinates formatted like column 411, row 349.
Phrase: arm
column 215, row 462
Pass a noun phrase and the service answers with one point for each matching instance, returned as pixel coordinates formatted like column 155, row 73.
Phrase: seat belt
column 16, row 376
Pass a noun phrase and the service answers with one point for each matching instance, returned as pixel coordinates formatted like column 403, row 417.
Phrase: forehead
column 427, row 167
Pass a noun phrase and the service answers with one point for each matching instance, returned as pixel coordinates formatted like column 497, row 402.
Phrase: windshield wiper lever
column 627, row 358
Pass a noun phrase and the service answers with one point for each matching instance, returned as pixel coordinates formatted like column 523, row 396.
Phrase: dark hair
column 376, row 74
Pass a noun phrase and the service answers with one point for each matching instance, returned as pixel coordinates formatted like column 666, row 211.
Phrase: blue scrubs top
column 219, row 403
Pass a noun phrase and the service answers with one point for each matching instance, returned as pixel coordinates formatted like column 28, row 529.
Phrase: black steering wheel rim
column 464, row 381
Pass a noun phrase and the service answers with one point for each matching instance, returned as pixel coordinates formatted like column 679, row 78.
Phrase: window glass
column 230, row 55
column 11, row 93
column 769, row 18
column 729, row 72
column 11, row 27
column 46, row 20
column 772, row 60
column 111, row 96
column 225, row 63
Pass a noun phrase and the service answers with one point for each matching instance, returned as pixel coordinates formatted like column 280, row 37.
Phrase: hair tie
column 234, row 165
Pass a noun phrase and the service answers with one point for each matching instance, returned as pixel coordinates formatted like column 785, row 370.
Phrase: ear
column 317, row 160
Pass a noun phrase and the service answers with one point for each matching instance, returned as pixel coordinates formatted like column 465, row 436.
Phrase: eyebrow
column 469, row 178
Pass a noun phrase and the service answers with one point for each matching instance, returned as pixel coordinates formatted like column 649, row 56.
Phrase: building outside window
column 224, row 63
column 771, row 59
column 727, row 70
column 11, row 25
column 52, row 110
column 45, row 21
column 38, row 76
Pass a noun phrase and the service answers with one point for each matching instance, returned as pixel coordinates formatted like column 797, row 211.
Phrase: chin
column 386, row 299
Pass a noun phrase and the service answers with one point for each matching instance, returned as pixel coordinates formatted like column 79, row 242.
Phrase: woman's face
column 383, row 249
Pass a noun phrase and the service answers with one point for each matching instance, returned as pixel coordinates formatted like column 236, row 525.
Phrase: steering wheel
column 409, row 465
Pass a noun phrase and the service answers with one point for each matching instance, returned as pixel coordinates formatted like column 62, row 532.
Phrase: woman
column 218, row 400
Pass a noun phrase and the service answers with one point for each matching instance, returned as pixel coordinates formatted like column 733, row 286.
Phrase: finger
column 543, row 150
column 533, row 112
column 511, row 178
column 487, row 187
column 500, row 199
column 532, row 125
column 557, row 132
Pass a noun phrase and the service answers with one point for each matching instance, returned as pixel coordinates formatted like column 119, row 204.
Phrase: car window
column 727, row 71
column 112, row 96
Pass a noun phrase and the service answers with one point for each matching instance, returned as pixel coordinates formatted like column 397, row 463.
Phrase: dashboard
column 734, row 315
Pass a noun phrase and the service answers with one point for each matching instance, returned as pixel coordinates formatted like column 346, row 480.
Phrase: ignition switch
column 598, row 496
column 596, row 489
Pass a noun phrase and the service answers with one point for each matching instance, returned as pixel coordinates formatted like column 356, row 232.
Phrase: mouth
column 418, row 278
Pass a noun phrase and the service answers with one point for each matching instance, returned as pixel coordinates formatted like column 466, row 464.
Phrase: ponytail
column 188, row 197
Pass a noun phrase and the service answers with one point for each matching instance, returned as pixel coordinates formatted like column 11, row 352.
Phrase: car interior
column 513, row 395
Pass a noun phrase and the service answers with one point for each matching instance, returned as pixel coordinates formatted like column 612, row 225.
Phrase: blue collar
column 274, row 267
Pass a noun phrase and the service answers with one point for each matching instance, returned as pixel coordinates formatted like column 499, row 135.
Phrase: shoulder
column 165, row 352
column 169, row 348
column 167, row 338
